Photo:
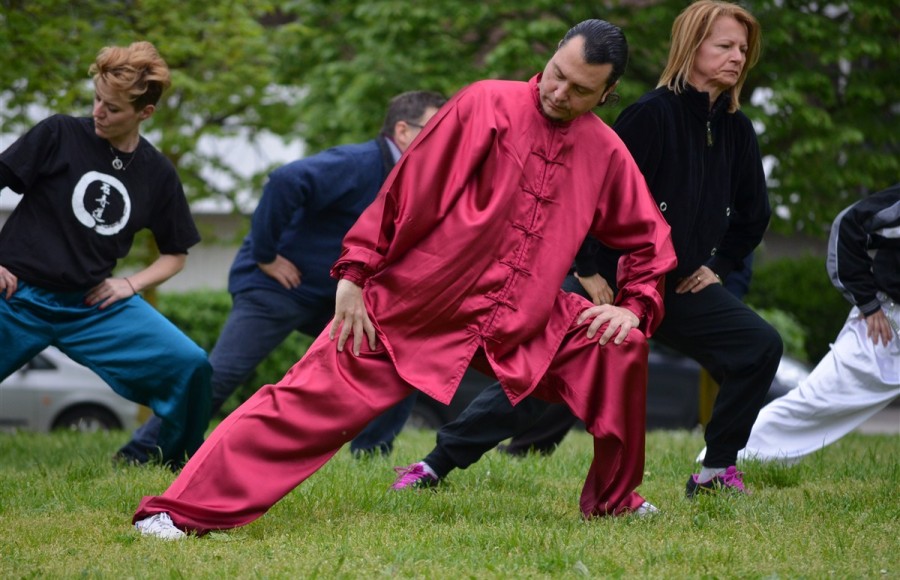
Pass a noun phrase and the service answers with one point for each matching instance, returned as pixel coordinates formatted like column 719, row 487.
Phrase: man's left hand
column 621, row 322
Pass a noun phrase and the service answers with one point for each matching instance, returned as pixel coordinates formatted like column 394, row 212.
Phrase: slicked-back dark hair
column 604, row 43
column 410, row 107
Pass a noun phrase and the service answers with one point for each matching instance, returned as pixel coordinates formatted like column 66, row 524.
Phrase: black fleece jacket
column 704, row 168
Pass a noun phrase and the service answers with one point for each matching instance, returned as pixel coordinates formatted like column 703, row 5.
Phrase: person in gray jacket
column 860, row 375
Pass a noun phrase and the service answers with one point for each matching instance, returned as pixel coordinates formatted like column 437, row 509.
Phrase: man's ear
column 608, row 92
column 403, row 135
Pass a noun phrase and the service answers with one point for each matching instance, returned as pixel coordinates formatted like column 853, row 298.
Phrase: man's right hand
column 350, row 316
column 282, row 271
column 597, row 288
column 8, row 282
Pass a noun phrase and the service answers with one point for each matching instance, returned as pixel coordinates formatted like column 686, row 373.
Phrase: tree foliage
column 826, row 103
column 831, row 121
column 223, row 72
column 323, row 70
column 352, row 56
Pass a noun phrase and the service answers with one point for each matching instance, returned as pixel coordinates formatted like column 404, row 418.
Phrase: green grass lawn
column 65, row 512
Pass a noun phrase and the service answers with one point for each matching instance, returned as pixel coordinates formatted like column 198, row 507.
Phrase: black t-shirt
column 78, row 215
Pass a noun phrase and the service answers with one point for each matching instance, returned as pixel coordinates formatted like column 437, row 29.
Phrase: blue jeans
column 132, row 347
column 259, row 321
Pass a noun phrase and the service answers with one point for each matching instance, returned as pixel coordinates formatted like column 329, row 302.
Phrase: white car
column 54, row 392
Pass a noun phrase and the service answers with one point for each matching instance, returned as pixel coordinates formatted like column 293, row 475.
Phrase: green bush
column 801, row 288
column 201, row 315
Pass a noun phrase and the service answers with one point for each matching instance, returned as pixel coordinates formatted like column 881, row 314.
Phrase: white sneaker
column 160, row 526
column 646, row 509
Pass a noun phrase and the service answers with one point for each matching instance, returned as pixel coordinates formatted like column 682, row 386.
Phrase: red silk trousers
column 287, row 431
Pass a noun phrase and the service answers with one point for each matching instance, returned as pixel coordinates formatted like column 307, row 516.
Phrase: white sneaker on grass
column 646, row 509
column 159, row 526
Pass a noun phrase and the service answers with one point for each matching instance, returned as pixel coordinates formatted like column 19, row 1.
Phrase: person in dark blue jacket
column 280, row 280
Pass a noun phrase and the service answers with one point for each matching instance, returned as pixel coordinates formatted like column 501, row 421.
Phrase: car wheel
column 86, row 419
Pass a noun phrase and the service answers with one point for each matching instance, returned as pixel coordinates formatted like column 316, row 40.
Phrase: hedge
column 201, row 315
column 801, row 288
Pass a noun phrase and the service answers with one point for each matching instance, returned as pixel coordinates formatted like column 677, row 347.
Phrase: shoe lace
column 157, row 523
column 733, row 478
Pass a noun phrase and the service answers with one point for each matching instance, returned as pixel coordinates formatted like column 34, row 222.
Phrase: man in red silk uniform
column 459, row 261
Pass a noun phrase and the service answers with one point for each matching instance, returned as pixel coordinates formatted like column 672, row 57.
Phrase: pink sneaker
column 414, row 476
column 731, row 480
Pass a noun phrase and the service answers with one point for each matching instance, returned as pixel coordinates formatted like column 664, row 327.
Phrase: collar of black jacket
column 699, row 103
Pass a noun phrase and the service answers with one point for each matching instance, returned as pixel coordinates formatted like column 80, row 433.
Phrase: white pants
column 855, row 380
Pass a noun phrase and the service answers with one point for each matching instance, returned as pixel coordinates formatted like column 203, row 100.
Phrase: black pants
column 740, row 350
column 546, row 434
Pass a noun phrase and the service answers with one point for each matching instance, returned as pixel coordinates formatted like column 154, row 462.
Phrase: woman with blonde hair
column 700, row 156
column 88, row 186
column 687, row 64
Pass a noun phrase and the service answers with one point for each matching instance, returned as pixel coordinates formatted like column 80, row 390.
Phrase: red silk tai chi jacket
column 468, row 241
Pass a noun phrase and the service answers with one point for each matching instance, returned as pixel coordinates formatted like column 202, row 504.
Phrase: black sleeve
column 849, row 263
column 9, row 179
column 586, row 259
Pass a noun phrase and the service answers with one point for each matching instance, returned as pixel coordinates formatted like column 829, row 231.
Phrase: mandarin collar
column 698, row 102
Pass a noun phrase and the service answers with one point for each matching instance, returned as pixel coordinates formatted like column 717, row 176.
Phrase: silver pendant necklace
column 117, row 163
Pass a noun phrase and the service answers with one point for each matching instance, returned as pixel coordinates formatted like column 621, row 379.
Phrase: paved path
column 886, row 421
